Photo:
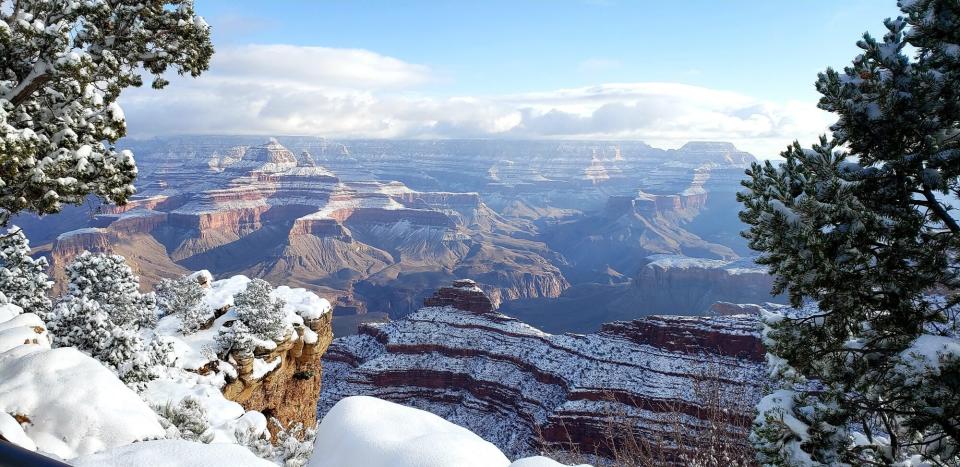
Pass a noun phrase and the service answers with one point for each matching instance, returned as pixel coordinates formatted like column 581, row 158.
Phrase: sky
column 662, row 72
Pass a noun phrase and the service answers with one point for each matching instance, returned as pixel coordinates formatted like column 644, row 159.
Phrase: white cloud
column 340, row 93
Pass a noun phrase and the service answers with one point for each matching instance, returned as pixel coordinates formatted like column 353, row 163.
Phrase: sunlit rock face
column 261, row 211
column 513, row 384
column 377, row 225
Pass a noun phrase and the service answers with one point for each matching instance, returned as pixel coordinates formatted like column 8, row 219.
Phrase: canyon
column 376, row 226
column 528, row 391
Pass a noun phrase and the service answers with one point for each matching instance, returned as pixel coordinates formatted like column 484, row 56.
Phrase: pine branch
column 940, row 212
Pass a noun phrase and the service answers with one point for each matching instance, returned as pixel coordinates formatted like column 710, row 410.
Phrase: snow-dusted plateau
column 595, row 300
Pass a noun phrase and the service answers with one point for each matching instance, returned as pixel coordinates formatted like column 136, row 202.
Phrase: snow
column 87, row 230
column 930, row 350
column 304, row 303
column 366, row 431
column 174, row 453
column 18, row 336
column 11, row 431
column 299, row 301
column 261, row 367
column 735, row 267
column 76, row 406
column 18, row 328
column 539, row 461
column 8, row 310
column 370, row 432
column 222, row 291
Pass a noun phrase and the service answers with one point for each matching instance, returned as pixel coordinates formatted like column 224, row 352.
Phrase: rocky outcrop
column 463, row 295
column 260, row 211
column 516, row 385
column 692, row 285
column 289, row 392
column 383, row 223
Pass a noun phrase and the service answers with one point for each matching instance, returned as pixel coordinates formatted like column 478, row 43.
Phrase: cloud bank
column 353, row 93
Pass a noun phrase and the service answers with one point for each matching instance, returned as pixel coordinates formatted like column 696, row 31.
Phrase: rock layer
column 508, row 381
column 289, row 391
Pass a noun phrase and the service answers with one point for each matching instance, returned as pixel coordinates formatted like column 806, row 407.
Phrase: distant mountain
column 376, row 225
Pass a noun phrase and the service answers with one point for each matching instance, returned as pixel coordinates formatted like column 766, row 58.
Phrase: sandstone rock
column 463, row 295
column 508, row 382
column 290, row 391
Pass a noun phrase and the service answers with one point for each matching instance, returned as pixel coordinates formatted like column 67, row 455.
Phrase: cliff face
column 460, row 359
column 691, row 286
column 261, row 212
column 291, row 390
column 280, row 379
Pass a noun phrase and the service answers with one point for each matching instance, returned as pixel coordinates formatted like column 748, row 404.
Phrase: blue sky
column 658, row 71
column 771, row 49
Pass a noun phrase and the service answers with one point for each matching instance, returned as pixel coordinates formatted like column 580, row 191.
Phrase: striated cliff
column 261, row 212
column 288, row 392
column 279, row 379
column 692, row 285
column 516, row 385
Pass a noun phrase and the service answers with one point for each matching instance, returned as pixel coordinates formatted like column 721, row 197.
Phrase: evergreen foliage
column 236, row 338
column 102, row 314
column 81, row 322
column 108, row 280
column 188, row 419
column 63, row 65
column 860, row 233
column 184, row 298
column 23, row 279
column 262, row 314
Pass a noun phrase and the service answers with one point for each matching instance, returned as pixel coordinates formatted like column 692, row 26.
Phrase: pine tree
column 859, row 232
column 184, row 298
column 262, row 314
column 190, row 419
column 64, row 64
column 82, row 323
column 109, row 281
column 236, row 338
column 22, row 278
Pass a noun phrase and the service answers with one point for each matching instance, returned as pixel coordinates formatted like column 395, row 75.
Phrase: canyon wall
column 518, row 386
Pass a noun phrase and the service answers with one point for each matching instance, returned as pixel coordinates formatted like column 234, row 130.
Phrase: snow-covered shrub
column 261, row 313
column 109, row 281
column 236, row 338
column 255, row 441
column 294, row 444
column 184, row 298
column 22, row 278
column 186, row 420
column 83, row 323
column 148, row 363
column 292, row 448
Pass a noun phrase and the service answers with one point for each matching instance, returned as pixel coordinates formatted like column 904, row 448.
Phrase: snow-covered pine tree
column 109, row 281
column 64, row 64
column 262, row 314
column 236, row 338
column 184, row 298
column 78, row 321
column 860, row 233
column 23, row 279
column 189, row 419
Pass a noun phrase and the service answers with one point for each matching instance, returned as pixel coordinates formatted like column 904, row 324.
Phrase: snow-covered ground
column 370, row 432
column 61, row 401
column 65, row 404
